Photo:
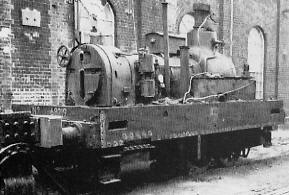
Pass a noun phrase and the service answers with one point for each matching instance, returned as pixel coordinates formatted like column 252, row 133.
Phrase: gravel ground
column 265, row 171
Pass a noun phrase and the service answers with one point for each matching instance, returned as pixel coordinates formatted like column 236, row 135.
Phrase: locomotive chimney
column 185, row 74
column 166, row 46
column 201, row 11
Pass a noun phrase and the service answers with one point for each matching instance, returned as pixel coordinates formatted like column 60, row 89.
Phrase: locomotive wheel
column 19, row 185
column 16, row 170
column 226, row 161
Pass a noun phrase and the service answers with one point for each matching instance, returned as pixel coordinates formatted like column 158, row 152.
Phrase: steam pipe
column 166, row 47
column 77, row 21
column 72, row 134
column 185, row 71
column 206, row 62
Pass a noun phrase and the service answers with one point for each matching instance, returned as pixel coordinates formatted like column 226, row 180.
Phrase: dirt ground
column 265, row 171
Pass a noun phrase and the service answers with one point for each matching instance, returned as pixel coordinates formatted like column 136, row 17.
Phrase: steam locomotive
column 119, row 112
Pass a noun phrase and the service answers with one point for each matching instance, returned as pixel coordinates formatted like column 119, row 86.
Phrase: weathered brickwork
column 36, row 77
column 283, row 79
column 185, row 7
column 61, row 26
column 31, row 57
column 5, row 55
column 151, row 17
column 31, row 71
column 225, row 25
column 262, row 14
column 125, row 25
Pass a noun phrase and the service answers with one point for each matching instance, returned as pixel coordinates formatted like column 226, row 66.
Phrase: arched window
column 187, row 24
column 96, row 22
column 256, row 51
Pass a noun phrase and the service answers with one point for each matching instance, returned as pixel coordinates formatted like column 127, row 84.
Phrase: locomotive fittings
column 72, row 134
column 54, row 132
column 100, row 75
column 185, row 70
column 166, row 47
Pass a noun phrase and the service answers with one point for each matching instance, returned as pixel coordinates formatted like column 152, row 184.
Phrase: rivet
column 150, row 133
column 124, row 136
column 16, row 136
column 138, row 135
column 144, row 135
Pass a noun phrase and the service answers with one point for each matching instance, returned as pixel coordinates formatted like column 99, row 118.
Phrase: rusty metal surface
column 97, row 77
column 202, row 87
column 119, row 125
column 51, row 131
column 154, row 41
column 17, row 126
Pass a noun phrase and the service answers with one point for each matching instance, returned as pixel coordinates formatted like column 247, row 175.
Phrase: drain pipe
column 277, row 49
column 77, row 33
column 231, row 27
column 166, row 47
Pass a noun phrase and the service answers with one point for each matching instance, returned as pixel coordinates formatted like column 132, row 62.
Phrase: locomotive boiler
column 118, row 113
column 104, row 76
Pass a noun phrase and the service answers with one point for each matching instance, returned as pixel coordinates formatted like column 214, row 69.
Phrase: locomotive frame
column 104, row 137
column 91, row 141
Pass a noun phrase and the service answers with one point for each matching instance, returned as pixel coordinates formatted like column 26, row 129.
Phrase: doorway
column 256, row 52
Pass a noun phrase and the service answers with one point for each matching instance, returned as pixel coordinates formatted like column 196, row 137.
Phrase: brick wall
column 225, row 25
column 151, row 17
column 283, row 89
column 5, row 55
column 147, row 17
column 248, row 14
column 36, row 76
column 125, row 24
column 61, row 26
column 185, row 7
column 31, row 57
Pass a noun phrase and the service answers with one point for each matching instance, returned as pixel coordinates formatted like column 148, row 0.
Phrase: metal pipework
column 72, row 134
column 166, row 47
column 185, row 71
